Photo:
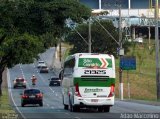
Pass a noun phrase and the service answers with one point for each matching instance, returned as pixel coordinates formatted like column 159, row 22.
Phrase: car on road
column 44, row 69
column 19, row 82
column 41, row 64
column 54, row 81
column 31, row 96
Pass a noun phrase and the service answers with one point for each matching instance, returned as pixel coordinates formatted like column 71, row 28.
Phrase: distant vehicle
column 54, row 81
column 31, row 96
column 41, row 64
column 19, row 82
column 88, row 80
column 44, row 69
column 138, row 40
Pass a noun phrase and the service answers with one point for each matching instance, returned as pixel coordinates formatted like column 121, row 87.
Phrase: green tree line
column 28, row 27
column 101, row 41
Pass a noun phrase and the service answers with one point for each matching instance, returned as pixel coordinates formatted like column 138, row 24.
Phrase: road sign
column 128, row 63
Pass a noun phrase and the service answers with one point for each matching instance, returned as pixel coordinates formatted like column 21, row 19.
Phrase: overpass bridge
column 133, row 26
column 130, row 24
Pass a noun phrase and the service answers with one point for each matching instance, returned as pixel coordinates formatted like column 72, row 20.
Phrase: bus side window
column 61, row 74
column 69, row 66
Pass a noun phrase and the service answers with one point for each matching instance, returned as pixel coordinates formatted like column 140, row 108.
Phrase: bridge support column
column 133, row 33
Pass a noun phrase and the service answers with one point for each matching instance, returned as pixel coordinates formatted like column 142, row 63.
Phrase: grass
column 5, row 106
column 143, row 79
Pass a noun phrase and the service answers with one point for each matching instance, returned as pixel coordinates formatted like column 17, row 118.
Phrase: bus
column 88, row 81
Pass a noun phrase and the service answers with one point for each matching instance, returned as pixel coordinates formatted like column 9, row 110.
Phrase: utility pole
column 121, row 53
column 157, row 50
column 89, row 36
column 89, row 43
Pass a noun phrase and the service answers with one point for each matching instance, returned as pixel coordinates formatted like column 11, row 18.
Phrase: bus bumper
column 84, row 102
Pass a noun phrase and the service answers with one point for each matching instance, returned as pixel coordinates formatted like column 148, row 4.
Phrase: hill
column 142, row 80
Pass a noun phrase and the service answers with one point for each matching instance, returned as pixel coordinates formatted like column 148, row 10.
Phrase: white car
column 41, row 64
column 138, row 40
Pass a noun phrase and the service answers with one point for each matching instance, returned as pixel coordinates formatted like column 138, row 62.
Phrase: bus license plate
column 94, row 100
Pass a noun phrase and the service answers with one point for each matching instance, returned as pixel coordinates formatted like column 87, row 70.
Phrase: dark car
column 19, row 82
column 54, row 81
column 31, row 96
column 43, row 69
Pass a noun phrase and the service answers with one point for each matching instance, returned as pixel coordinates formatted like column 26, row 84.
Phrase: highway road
column 53, row 107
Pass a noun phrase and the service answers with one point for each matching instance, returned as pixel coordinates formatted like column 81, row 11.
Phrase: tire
column 70, row 106
column 41, row 104
column 75, row 108
column 100, row 109
column 22, row 104
column 106, row 108
column 65, row 107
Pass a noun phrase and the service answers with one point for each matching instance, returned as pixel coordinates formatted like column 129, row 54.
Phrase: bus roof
column 77, row 55
column 89, row 55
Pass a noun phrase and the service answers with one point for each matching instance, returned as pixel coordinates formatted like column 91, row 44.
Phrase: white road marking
column 45, row 102
column 10, row 92
column 20, row 65
column 76, row 117
column 40, row 78
column 44, row 81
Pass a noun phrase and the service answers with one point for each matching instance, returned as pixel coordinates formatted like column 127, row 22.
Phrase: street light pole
column 89, row 36
column 157, row 50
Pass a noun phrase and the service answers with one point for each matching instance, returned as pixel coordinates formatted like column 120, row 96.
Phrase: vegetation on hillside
column 143, row 79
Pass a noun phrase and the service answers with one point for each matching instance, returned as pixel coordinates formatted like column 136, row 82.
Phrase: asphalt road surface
column 53, row 107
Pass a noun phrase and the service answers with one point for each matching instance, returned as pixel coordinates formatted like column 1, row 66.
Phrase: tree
column 28, row 27
column 101, row 41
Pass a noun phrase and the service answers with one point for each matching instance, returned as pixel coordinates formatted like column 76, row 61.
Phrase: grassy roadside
column 143, row 79
column 5, row 106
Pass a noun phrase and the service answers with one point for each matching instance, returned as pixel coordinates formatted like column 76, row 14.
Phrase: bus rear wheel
column 65, row 107
column 76, row 108
column 106, row 108
column 73, row 108
column 100, row 109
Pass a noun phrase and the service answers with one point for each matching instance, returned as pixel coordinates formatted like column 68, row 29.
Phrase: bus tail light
column 77, row 93
column 111, row 91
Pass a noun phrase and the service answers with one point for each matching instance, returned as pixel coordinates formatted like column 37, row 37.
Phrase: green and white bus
column 88, row 81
